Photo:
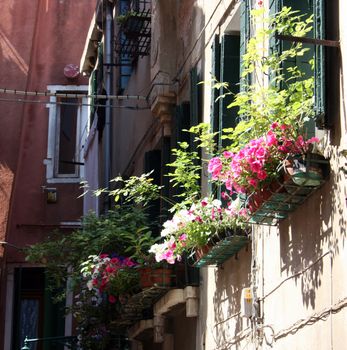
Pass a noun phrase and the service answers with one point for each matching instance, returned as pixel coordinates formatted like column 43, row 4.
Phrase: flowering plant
column 257, row 163
column 196, row 227
column 111, row 276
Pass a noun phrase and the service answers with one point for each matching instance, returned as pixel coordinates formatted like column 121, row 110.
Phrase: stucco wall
column 37, row 40
column 299, row 265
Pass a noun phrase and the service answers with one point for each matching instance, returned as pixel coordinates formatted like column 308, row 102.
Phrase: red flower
column 112, row 299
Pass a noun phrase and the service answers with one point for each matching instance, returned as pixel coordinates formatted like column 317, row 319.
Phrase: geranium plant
column 257, row 163
column 112, row 276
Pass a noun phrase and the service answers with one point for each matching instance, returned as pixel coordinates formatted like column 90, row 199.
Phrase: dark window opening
column 67, row 136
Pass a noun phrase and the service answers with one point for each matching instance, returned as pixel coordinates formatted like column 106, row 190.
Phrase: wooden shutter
column 153, row 163
column 229, row 73
column 54, row 318
column 245, row 31
column 182, row 123
column 319, row 55
column 195, row 103
column 214, row 107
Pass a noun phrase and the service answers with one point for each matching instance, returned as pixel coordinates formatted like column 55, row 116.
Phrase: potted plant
column 111, row 275
column 197, row 229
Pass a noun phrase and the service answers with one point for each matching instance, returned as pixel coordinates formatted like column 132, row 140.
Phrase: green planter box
column 222, row 250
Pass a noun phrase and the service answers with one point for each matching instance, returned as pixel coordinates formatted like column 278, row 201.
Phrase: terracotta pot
column 145, row 277
column 150, row 277
column 257, row 199
column 201, row 251
column 162, row 277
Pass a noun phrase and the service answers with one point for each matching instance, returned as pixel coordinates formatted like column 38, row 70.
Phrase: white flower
column 217, row 203
column 90, row 284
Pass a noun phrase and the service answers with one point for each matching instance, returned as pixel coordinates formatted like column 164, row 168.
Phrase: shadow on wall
column 308, row 235
column 230, row 279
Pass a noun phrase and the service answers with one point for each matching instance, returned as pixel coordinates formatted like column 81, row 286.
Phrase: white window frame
column 52, row 159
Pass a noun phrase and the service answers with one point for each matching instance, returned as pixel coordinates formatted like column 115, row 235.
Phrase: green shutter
column 229, row 73
column 165, row 180
column 319, row 71
column 214, row 108
column 308, row 7
column 182, row 123
column 194, row 103
column 245, row 32
column 54, row 318
column 245, row 25
column 305, row 7
column 152, row 162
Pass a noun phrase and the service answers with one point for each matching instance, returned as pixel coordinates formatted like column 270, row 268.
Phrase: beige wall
column 302, row 260
column 299, row 267
column 131, row 136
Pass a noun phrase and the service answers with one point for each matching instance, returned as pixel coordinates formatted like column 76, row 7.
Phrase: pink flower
column 227, row 154
column 274, row 125
column 215, row 167
column 204, row 202
column 198, row 219
column 112, row 299
column 313, row 140
column 262, row 175
column 169, row 257
column 271, row 139
column 182, row 237
column 253, row 182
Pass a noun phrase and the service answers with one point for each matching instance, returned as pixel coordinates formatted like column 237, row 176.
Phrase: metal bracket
column 322, row 42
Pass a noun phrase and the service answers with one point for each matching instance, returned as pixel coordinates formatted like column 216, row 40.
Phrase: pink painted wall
column 37, row 39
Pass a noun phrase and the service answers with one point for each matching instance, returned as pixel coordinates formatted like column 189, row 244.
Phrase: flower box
column 298, row 179
column 155, row 277
column 216, row 253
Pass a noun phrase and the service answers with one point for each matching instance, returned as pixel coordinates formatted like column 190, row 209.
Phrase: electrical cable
column 295, row 327
column 295, row 275
column 69, row 95
column 72, row 104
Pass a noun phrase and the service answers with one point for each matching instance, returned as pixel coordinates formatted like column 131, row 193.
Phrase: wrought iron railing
column 134, row 34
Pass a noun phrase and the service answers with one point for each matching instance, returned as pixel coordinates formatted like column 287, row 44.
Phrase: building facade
column 295, row 269
column 41, row 141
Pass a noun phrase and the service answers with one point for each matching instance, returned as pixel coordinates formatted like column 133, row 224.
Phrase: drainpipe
column 108, row 64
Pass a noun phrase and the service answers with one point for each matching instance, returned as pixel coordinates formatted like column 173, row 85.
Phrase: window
column 227, row 51
column 35, row 314
column 318, row 52
column 67, row 131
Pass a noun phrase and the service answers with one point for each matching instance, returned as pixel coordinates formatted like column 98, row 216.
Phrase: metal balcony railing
column 134, row 35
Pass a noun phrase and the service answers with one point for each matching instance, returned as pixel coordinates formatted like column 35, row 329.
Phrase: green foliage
column 204, row 138
column 136, row 189
column 187, row 165
column 186, row 174
column 288, row 97
column 123, row 230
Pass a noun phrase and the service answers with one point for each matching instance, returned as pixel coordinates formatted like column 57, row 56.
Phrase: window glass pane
column 67, row 136
column 29, row 320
